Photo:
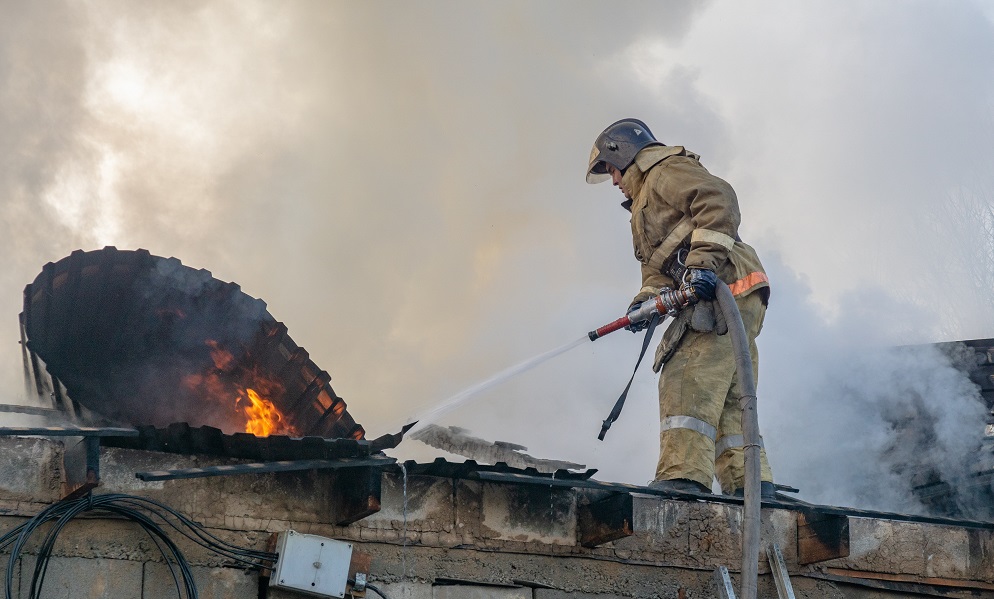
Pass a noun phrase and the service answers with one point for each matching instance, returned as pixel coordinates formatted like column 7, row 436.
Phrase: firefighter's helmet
column 617, row 145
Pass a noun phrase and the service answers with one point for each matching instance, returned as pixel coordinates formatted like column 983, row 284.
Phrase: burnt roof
column 124, row 332
column 181, row 438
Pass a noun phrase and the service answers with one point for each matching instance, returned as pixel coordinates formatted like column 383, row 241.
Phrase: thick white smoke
column 852, row 419
column 403, row 186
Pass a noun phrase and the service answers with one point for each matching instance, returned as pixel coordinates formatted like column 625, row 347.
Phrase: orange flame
column 249, row 389
column 222, row 358
column 263, row 417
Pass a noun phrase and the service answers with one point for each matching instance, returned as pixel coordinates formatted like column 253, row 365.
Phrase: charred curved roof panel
column 148, row 341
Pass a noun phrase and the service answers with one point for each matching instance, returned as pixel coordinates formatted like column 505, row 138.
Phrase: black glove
column 703, row 282
column 635, row 327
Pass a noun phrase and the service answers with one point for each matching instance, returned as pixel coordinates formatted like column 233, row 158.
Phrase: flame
column 222, row 358
column 263, row 417
column 229, row 381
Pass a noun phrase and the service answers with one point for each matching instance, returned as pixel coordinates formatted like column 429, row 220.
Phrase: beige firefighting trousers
column 700, row 416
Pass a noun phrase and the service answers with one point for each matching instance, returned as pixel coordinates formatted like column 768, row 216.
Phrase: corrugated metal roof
column 206, row 440
column 145, row 340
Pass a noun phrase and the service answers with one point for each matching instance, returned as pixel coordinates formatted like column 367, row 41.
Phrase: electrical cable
column 376, row 590
column 371, row 587
column 155, row 518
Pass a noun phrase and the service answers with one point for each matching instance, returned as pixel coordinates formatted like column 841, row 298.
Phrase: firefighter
column 685, row 231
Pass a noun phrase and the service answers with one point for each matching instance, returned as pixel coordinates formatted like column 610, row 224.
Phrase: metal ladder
column 778, row 566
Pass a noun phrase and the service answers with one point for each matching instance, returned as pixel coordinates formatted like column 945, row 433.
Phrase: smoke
column 851, row 419
column 403, row 186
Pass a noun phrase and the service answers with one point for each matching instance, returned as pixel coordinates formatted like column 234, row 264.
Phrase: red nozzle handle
column 621, row 323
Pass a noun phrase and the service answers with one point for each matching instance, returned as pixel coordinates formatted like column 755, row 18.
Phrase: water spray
column 669, row 302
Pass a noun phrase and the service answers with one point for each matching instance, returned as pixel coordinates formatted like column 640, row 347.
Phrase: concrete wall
column 457, row 539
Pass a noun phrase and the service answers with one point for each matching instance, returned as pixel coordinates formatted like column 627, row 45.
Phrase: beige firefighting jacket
column 677, row 201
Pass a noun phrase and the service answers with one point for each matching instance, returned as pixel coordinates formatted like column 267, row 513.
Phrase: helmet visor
column 598, row 176
column 596, row 169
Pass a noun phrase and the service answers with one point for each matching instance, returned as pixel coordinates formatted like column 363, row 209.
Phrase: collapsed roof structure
column 144, row 340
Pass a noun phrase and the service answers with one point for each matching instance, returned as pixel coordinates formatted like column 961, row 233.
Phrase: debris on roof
column 458, row 441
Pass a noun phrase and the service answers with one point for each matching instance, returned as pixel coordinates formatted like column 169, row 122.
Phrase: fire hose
column 670, row 302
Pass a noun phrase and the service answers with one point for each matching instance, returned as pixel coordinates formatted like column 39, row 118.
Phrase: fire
column 223, row 360
column 246, row 390
column 263, row 417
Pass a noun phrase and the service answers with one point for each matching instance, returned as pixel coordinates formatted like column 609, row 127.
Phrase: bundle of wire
column 153, row 517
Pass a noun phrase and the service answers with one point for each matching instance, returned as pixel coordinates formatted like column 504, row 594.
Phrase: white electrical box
column 311, row 564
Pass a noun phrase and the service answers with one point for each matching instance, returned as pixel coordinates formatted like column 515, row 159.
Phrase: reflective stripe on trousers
column 690, row 422
column 731, row 442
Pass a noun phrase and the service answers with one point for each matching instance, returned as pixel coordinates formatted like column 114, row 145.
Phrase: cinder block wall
column 458, row 539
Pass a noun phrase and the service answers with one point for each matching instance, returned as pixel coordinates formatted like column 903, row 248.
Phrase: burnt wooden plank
column 81, row 464
column 821, row 537
column 267, row 570
column 355, row 494
column 603, row 520
column 932, row 586
column 39, row 379
column 301, row 404
column 28, row 377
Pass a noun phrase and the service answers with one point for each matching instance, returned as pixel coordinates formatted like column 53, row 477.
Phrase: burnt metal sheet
column 184, row 439
column 470, row 469
column 145, row 340
column 261, row 467
column 66, row 431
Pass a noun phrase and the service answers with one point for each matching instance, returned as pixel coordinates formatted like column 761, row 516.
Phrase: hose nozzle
column 669, row 302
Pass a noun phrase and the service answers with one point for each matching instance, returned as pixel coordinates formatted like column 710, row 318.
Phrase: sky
column 403, row 184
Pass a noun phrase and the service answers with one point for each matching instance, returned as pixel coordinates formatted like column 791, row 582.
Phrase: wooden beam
column 821, row 537
column 602, row 520
column 81, row 464
column 910, row 583
column 355, row 494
